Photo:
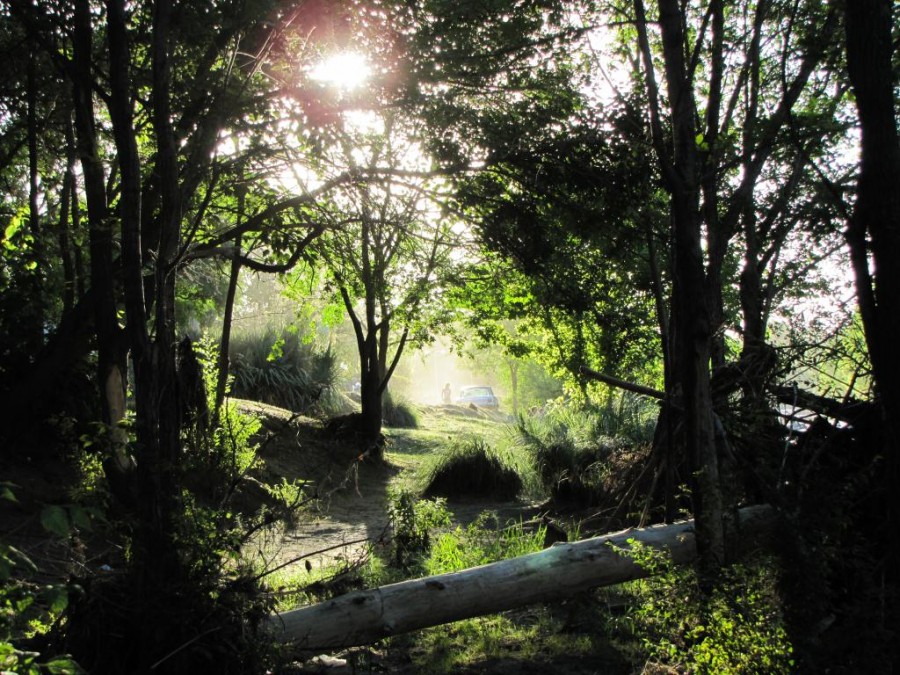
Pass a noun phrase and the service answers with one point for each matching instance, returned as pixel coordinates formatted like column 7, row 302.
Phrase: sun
column 346, row 70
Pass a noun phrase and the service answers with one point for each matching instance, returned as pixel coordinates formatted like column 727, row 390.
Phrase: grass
column 646, row 626
column 471, row 469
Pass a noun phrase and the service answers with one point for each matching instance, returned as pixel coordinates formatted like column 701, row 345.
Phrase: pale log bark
column 552, row 574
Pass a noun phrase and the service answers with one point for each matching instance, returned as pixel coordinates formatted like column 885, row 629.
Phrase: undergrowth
column 738, row 628
column 276, row 366
column 574, row 448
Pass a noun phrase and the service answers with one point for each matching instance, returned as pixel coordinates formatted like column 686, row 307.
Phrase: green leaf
column 7, row 494
column 81, row 518
column 55, row 520
column 63, row 665
column 14, row 224
column 58, row 598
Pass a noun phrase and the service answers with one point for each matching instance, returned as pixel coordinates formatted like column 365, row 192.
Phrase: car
column 478, row 395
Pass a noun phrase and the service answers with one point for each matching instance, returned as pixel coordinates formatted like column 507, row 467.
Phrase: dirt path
column 352, row 510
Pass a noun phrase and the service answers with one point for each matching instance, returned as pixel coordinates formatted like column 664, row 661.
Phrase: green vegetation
column 278, row 367
column 574, row 449
column 739, row 628
column 29, row 607
column 472, row 469
column 481, row 542
column 399, row 413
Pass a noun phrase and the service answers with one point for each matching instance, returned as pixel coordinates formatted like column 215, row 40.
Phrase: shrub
column 570, row 464
column 277, row 367
column 472, row 469
column 412, row 522
column 399, row 413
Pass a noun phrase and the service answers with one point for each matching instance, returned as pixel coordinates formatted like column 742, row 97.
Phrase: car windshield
column 477, row 391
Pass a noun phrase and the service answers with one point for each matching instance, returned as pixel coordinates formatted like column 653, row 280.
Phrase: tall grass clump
column 573, row 448
column 473, row 469
column 399, row 413
column 276, row 366
column 481, row 542
column 627, row 417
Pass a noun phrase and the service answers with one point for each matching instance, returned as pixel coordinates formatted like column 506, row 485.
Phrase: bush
column 412, row 522
column 399, row 414
column 472, row 469
column 277, row 367
column 571, row 462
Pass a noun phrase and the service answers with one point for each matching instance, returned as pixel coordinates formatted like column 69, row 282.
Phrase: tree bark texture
column 877, row 213
column 557, row 572
column 111, row 353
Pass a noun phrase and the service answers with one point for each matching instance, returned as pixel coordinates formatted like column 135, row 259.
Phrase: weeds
column 412, row 522
column 480, row 543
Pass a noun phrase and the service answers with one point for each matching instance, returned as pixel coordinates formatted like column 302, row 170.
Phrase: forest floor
column 352, row 506
column 347, row 521
column 351, row 517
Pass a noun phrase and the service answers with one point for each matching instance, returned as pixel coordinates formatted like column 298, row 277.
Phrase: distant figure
column 446, row 394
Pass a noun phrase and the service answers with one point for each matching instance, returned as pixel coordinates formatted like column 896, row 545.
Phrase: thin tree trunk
column 111, row 364
column 514, row 384
column 225, row 345
column 65, row 205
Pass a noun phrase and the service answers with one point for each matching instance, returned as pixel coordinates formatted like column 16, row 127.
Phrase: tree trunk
column 225, row 343
column 111, row 354
column 691, row 328
column 371, row 393
column 877, row 211
column 66, row 204
column 514, row 384
column 555, row 573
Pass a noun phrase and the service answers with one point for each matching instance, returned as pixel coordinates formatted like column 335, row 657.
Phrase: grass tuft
column 277, row 367
column 399, row 413
column 472, row 469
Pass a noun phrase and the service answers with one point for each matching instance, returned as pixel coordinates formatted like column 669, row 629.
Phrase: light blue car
column 480, row 395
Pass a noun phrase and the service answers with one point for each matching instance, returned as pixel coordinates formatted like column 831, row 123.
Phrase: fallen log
column 555, row 573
